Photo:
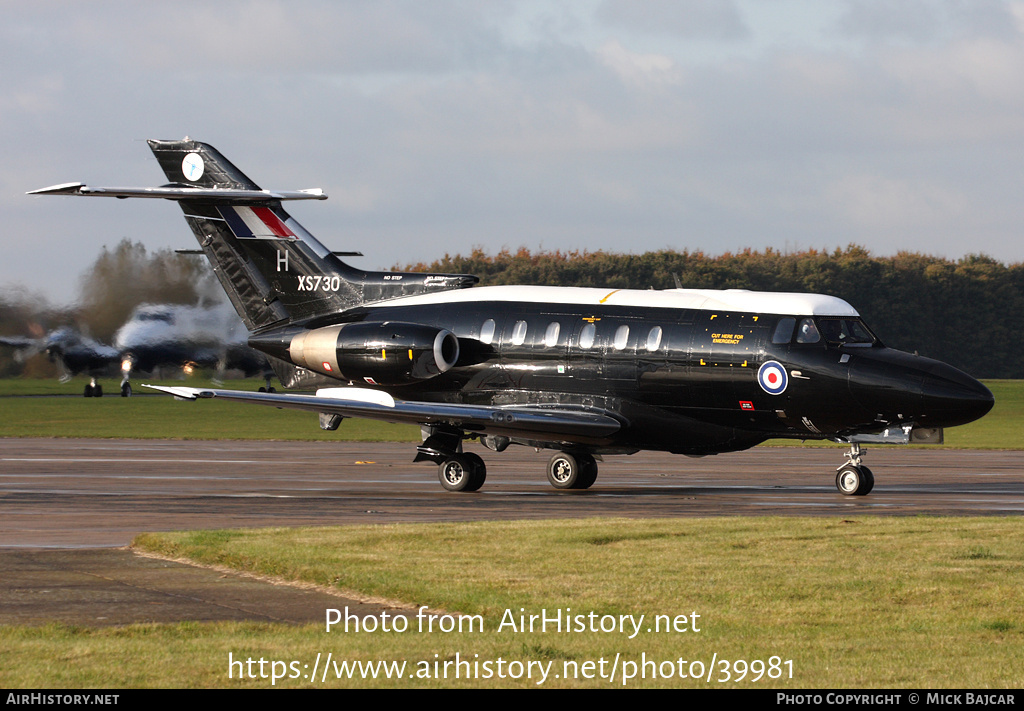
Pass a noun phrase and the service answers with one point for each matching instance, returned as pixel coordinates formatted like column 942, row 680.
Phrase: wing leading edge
column 554, row 423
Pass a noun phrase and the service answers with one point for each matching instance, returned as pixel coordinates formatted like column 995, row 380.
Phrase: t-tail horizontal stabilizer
column 180, row 192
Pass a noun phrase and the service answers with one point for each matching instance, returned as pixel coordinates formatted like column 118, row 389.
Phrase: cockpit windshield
column 833, row 330
column 154, row 316
column 845, row 331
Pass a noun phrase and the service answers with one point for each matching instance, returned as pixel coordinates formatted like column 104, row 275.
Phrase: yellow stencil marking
column 609, row 295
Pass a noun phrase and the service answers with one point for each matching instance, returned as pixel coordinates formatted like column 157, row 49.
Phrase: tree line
column 967, row 312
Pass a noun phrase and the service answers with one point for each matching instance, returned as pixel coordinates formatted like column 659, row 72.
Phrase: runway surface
column 78, row 497
column 88, row 493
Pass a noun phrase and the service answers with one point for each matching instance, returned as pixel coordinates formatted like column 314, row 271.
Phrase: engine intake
column 385, row 353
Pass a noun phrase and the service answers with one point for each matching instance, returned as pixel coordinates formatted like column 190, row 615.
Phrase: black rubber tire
column 564, row 471
column 478, row 473
column 588, row 471
column 462, row 472
column 852, row 480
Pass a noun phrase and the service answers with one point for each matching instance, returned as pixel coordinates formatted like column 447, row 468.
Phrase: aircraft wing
column 19, row 341
column 548, row 423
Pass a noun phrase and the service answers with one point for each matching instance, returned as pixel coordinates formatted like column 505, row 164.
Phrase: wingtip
column 180, row 393
column 62, row 188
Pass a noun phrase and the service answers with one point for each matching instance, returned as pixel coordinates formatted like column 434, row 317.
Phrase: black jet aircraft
column 155, row 335
column 585, row 372
column 72, row 351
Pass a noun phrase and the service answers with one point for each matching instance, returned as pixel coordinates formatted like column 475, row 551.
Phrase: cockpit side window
column 784, row 330
column 807, row 332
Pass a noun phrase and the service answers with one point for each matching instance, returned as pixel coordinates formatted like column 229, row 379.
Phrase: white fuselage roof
column 739, row 300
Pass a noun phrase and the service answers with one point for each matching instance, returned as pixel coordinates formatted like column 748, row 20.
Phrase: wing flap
column 548, row 423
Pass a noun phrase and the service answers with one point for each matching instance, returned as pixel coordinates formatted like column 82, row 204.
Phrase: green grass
column 163, row 417
column 873, row 602
column 1002, row 428
column 160, row 416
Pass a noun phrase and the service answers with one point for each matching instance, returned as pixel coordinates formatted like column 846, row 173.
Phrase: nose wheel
column 854, row 481
column 853, row 478
column 126, row 373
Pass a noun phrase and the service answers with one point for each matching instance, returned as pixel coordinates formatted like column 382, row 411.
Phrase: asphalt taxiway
column 67, row 506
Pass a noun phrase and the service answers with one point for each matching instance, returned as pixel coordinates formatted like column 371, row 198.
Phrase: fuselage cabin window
column 587, row 335
column 551, row 335
column 654, row 339
column 487, row 331
column 519, row 333
column 621, row 337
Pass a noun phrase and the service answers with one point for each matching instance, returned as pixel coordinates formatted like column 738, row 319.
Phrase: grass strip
column 871, row 602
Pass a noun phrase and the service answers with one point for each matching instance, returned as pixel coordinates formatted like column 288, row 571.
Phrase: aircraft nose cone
column 952, row 397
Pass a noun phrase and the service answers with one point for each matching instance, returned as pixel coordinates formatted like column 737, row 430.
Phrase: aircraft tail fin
column 198, row 165
column 272, row 269
column 274, row 272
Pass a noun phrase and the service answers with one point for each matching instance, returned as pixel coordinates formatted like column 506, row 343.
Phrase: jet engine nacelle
column 388, row 353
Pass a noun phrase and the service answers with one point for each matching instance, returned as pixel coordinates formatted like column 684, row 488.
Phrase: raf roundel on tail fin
column 192, row 165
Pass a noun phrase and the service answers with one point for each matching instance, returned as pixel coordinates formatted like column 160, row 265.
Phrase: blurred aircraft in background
column 155, row 336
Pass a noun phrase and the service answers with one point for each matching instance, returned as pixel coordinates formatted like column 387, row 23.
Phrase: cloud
column 638, row 68
column 884, row 202
column 689, row 19
column 925, row 21
column 260, row 36
column 441, row 126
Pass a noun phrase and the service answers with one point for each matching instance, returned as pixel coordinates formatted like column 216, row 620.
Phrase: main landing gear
column 456, row 470
column 465, row 471
column 853, row 478
column 568, row 470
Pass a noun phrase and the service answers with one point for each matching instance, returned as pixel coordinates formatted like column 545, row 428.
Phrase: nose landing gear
column 853, row 478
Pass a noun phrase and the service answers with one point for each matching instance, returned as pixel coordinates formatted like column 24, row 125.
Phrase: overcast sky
column 434, row 127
